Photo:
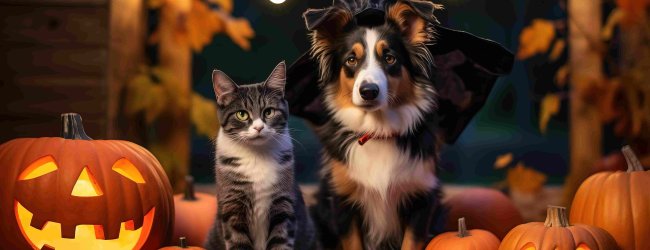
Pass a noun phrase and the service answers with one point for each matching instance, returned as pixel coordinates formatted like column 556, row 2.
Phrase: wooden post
column 585, row 60
column 126, row 54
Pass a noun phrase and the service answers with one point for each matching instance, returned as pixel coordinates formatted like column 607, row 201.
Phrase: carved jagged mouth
column 49, row 236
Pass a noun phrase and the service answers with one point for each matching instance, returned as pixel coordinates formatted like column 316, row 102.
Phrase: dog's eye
column 389, row 59
column 268, row 113
column 351, row 61
column 241, row 115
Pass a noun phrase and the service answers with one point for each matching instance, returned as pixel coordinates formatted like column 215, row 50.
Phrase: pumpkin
column 484, row 208
column 182, row 245
column 195, row 214
column 556, row 233
column 464, row 240
column 78, row 193
column 618, row 202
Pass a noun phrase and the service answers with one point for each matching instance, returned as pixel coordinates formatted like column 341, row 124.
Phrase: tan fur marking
column 352, row 240
column 344, row 91
column 341, row 181
column 413, row 27
column 409, row 242
column 401, row 88
column 358, row 50
column 381, row 45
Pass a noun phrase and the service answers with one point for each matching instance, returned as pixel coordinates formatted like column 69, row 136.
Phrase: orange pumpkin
column 78, row 193
column 195, row 214
column 484, row 208
column 464, row 240
column 618, row 202
column 556, row 233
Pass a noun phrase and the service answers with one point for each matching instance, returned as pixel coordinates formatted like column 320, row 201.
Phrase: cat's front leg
column 281, row 224
column 236, row 231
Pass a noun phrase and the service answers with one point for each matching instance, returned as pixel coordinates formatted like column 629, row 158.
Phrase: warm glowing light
column 583, row 246
column 529, row 246
column 85, row 235
column 86, row 185
column 42, row 166
column 277, row 1
column 128, row 170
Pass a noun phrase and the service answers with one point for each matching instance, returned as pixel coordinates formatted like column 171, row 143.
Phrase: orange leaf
column 535, row 38
column 525, row 180
column 557, row 50
column 549, row 107
column 503, row 160
column 561, row 76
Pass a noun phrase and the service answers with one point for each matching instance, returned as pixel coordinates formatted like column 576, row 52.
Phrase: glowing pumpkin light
column 78, row 193
column 556, row 233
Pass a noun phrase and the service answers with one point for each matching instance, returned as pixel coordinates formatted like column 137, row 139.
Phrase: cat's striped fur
column 260, row 205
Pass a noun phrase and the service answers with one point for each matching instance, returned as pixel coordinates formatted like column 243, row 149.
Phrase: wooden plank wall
column 55, row 57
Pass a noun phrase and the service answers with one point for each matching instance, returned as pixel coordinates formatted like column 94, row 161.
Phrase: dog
column 379, row 187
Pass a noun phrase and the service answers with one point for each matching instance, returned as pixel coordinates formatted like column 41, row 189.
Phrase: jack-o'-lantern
column 78, row 193
column 556, row 233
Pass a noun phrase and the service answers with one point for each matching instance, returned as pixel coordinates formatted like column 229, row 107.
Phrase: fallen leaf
column 525, row 180
column 535, row 38
column 558, row 49
column 550, row 106
column 204, row 116
column 503, row 160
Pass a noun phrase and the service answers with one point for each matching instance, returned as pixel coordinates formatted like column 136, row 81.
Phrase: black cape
column 465, row 70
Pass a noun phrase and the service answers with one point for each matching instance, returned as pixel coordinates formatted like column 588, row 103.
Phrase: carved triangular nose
column 86, row 185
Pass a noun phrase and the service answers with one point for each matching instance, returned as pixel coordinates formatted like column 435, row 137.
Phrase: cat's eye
column 268, row 113
column 241, row 115
column 390, row 59
column 351, row 61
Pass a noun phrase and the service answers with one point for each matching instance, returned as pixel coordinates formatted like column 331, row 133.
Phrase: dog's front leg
column 352, row 240
column 411, row 241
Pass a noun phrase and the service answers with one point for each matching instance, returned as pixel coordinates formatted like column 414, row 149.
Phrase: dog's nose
column 369, row 91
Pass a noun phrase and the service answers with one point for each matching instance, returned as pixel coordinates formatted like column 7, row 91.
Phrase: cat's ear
column 278, row 78
column 223, row 86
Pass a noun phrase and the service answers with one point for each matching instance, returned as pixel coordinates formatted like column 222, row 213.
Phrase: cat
column 259, row 203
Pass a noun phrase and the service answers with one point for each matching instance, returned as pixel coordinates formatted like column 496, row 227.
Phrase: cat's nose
column 258, row 127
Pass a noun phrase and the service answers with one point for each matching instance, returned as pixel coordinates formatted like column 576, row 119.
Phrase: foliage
column 525, row 179
column 204, row 116
column 550, row 106
column 535, row 38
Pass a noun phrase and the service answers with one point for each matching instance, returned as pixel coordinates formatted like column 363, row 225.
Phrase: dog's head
column 375, row 75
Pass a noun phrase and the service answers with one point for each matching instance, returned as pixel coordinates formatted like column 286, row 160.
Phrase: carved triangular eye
column 128, row 170
column 40, row 167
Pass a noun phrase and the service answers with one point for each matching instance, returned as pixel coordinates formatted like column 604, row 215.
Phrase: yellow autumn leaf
column 535, row 38
column 550, row 106
column 525, row 180
column 240, row 32
column 204, row 116
column 145, row 95
column 503, row 160
column 558, row 48
column 613, row 20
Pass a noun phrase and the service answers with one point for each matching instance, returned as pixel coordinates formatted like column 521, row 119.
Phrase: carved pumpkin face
column 82, row 194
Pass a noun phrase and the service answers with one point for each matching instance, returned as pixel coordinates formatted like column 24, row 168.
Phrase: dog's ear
column 327, row 22
column 414, row 18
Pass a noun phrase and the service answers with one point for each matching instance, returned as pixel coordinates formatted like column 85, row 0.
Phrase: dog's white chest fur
column 387, row 174
column 262, row 170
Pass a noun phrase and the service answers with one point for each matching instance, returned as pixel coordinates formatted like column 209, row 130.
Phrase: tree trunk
column 173, row 125
column 586, row 70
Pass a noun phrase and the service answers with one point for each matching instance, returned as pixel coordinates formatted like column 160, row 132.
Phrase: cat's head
column 255, row 113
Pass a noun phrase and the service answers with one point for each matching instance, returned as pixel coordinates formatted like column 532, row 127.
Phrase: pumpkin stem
column 73, row 128
column 556, row 217
column 189, row 189
column 462, row 228
column 633, row 163
column 182, row 242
